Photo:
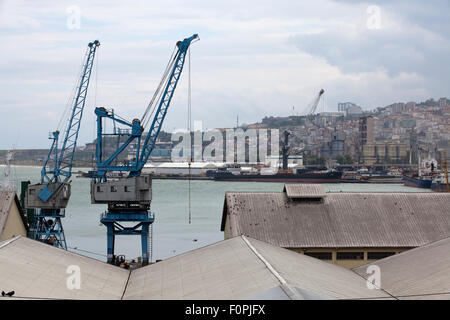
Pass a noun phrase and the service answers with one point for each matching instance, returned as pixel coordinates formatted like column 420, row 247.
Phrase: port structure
column 116, row 180
column 50, row 197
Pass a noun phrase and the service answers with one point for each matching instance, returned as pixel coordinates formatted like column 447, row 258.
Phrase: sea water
column 172, row 206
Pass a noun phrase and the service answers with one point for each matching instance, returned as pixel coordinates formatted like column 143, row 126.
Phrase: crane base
column 112, row 221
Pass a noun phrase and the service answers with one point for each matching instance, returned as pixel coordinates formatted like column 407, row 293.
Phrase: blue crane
column 129, row 195
column 51, row 195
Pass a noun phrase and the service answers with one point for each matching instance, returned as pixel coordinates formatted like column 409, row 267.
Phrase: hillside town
column 395, row 134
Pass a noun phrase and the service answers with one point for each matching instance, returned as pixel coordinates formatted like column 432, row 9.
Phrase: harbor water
column 172, row 232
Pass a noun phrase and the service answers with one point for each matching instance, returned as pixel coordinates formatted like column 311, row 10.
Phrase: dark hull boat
column 416, row 182
column 304, row 177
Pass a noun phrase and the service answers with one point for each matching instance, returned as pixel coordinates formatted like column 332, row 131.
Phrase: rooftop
column 341, row 220
column 237, row 268
column 420, row 273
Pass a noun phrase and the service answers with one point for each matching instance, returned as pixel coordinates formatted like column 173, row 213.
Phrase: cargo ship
column 417, row 182
column 423, row 177
column 323, row 176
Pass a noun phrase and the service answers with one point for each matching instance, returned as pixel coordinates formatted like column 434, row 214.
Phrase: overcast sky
column 255, row 58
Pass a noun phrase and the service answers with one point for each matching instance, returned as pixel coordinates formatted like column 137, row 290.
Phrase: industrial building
column 12, row 220
column 348, row 229
column 384, row 153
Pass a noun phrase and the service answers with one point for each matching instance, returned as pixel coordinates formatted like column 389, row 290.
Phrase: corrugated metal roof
column 238, row 268
column 230, row 269
column 304, row 190
column 341, row 220
column 420, row 273
column 35, row 270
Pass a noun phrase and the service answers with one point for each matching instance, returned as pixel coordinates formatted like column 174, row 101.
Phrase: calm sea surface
column 172, row 233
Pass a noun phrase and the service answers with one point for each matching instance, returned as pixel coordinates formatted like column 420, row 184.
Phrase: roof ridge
column 6, row 242
column 287, row 288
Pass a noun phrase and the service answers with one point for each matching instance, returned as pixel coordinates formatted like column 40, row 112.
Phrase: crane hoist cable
column 190, row 130
column 71, row 97
column 148, row 113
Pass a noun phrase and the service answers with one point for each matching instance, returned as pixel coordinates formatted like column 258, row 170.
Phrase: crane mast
column 129, row 196
column 51, row 196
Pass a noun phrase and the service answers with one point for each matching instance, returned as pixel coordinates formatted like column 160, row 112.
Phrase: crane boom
column 313, row 106
column 50, row 197
column 129, row 197
column 161, row 112
column 63, row 161
column 135, row 128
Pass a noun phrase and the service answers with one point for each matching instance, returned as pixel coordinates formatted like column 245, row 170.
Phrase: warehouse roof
column 7, row 199
column 238, row 268
column 244, row 268
column 39, row 271
column 340, row 220
column 420, row 273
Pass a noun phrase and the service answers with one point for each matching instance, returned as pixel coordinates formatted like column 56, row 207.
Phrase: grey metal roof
column 35, row 270
column 244, row 268
column 238, row 268
column 304, row 190
column 341, row 220
column 420, row 273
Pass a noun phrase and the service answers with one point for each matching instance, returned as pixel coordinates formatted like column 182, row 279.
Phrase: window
column 378, row 255
column 350, row 256
column 99, row 189
column 320, row 255
column 113, row 189
column 126, row 189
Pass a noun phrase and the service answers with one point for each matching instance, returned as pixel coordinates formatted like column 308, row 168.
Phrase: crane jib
column 62, row 162
column 134, row 166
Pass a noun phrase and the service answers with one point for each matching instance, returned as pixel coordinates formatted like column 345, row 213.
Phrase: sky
column 254, row 59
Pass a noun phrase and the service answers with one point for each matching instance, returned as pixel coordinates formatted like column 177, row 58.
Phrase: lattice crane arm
column 61, row 161
column 136, row 127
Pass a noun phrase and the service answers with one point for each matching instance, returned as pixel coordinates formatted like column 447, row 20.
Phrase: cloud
column 254, row 59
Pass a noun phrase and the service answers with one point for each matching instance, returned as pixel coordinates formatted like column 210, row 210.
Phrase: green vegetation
column 345, row 159
column 314, row 160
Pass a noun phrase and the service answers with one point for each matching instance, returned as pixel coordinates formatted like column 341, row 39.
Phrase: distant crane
column 312, row 107
column 51, row 196
column 128, row 196
column 285, row 149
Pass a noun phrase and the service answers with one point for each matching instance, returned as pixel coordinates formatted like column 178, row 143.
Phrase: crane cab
column 126, row 192
column 58, row 200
